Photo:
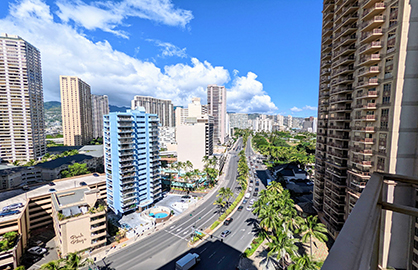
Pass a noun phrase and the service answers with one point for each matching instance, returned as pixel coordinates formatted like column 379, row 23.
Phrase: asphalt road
column 163, row 248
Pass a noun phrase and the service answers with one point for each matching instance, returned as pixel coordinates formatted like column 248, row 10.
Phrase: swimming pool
column 158, row 215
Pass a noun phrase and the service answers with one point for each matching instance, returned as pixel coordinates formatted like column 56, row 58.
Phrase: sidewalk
column 102, row 252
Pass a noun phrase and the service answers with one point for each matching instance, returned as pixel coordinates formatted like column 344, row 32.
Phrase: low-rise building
column 34, row 210
column 79, row 219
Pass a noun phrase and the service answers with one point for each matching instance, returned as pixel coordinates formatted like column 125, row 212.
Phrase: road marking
column 172, row 227
column 181, row 237
column 178, row 229
column 185, row 232
column 203, row 250
column 212, row 255
column 249, row 232
column 221, row 259
column 243, row 230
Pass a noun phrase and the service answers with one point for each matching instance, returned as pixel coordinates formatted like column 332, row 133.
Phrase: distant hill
column 113, row 108
column 52, row 104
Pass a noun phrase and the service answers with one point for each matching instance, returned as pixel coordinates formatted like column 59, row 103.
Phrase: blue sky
column 265, row 52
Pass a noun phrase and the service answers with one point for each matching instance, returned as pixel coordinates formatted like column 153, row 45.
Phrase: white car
column 249, row 208
column 37, row 251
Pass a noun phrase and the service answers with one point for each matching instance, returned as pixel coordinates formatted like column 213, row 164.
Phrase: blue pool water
column 158, row 215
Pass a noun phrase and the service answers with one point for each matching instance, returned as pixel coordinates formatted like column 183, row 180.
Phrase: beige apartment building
column 368, row 100
column 38, row 209
column 76, row 107
column 99, row 107
column 22, row 124
column 161, row 107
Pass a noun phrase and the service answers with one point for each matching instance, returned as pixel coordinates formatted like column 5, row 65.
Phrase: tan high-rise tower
column 368, row 100
column 217, row 108
column 22, row 124
column 76, row 110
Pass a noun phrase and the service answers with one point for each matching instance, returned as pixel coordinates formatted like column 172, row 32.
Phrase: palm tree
column 228, row 193
column 304, row 263
column 311, row 228
column 52, row 265
column 282, row 245
column 275, row 187
column 220, row 203
column 270, row 219
column 73, row 262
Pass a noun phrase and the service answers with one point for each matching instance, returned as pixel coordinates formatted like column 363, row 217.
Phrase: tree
column 304, row 263
column 311, row 228
column 220, row 203
column 74, row 170
column 20, row 268
column 275, row 187
column 225, row 193
column 52, row 265
column 281, row 245
column 73, row 261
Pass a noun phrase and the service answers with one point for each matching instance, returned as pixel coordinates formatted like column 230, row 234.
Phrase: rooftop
column 21, row 196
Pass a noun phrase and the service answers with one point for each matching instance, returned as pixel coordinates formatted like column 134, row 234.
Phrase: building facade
column 99, row 107
column 217, row 109
column 76, row 107
column 22, row 123
column 163, row 108
column 367, row 97
column 238, row 120
column 132, row 163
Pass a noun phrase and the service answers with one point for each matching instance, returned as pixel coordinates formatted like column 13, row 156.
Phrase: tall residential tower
column 217, row 108
column 99, row 107
column 132, row 161
column 22, row 124
column 76, row 110
column 163, row 108
column 368, row 101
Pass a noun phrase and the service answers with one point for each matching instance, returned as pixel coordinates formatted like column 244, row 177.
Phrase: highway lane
column 162, row 246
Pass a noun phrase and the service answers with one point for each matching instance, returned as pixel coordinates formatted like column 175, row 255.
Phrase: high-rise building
column 163, row 108
column 280, row 120
column 263, row 123
column 289, row 121
column 76, row 110
column 132, row 162
column 367, row 102
column 22, row 123
column 99, row 107
column 238, row 120
column 217, row 108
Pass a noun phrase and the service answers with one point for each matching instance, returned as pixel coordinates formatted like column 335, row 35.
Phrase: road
column 163, row 248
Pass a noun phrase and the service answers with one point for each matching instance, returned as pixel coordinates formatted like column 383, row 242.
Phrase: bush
column 254, row 245
column 214, row 225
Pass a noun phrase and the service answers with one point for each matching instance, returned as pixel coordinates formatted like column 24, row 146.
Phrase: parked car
column 52, row 190
column 309, row 183
column 255, row 194
column 37, row 251
column 251, row 181
column 12, row 207
column 249, row 208
column 51, row 183
column 251, row 184
column 9, row 213
column 257, row 183
column 96, row 174
column 228, row 221
column 250, row 189
column 185, row 197
column 225, row 233
column 25, row 187
column 240, row 208
column 83, row 183
column 244, row 201
column 256, row 189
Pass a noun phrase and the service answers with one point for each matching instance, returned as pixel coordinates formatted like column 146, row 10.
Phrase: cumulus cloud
column 107, row 15
column 247, row 95
column 65, row 51
column 311, row 108
column 168, row 49
column 296, row 109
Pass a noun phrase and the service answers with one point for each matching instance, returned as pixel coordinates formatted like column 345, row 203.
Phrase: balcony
column 364, row 140
column 341, row 128
column 370, row 59
column 372, row 35
column 340, row 118
column 344, row 61
column 373, row 23
column 339, row 137
column 369, row 71
column 374, row 10
column 341, row 89
column 342, row 70
column 362, row 163
column 363, row 129
column 371, row 47
column 346, row 41
column 339, row 108
column 381, row 218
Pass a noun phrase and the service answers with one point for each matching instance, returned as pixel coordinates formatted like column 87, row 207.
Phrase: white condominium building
column 76, row 111
column 22, row 125
column 217, row 108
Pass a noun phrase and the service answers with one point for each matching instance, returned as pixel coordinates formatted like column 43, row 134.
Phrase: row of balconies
column 364, row 140
column 363, row 129
column 365, row 117
column 373, row 70
column 376, row 9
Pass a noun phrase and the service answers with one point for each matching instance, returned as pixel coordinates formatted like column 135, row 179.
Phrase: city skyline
column 166, row 56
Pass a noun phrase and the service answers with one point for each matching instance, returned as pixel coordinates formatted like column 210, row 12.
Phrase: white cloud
column 296, row 109
column 247, row 95
column 107, row 15
column 168, row 49
column 311, row 108
column 64, row 51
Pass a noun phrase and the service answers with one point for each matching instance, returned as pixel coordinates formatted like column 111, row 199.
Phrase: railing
column 375, row 44
column 376, row 6
column 374, row 32
column 381, row 218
